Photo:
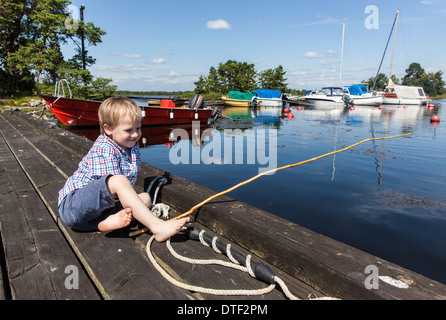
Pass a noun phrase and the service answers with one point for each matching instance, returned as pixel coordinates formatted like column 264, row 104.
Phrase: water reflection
column 152, row 136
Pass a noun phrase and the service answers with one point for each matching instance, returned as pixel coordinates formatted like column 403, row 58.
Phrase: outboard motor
column 197, row 102
column 347, row 100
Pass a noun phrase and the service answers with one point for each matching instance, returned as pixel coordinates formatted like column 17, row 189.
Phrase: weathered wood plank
column 3, row 274
column 326, row 265
column 118, row 266
column 36, row 254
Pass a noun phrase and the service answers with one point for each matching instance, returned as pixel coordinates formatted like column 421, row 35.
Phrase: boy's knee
column 116, row 182
column 145, row 197
column 117, row 179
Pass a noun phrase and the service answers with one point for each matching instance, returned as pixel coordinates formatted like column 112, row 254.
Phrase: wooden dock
column 43, row 259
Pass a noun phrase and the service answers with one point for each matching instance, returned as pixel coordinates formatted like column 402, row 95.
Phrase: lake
column 385, row 197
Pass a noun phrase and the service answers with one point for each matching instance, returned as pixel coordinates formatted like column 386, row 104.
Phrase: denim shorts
column 83, row 209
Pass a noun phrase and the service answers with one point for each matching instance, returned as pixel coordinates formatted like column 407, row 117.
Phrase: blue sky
column 166, row 45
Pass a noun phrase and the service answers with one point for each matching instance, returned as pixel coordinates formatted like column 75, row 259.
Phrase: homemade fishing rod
column 266, row 173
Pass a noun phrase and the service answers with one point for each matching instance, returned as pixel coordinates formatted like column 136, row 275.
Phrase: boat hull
column 240, row 103
column 315, row 101
column 271, row 102
column 366, row 101
column 404, row 101
column 76, row 112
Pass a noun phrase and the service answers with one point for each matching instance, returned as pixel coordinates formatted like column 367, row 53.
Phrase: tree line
column 241, row 76
column 416, row 76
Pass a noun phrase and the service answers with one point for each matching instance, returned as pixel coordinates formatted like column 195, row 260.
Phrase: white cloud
column 328, row 20
column 173, row 74
column 218, row 24
column 313, row 55
column 121, row 68
column 127, row 55
column 158, row 61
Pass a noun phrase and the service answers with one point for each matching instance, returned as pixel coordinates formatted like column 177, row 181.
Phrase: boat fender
column 197, row 102
column 260, row 270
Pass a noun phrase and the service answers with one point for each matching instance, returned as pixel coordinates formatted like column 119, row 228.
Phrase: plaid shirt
column 105, row 157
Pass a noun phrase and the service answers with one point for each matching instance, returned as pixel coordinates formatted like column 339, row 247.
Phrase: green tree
column 413, row 75
column 239, row 76
column 432, row 83
column 31, row 35
column 381, row 81
column 209, row 83
column 273, row 79
column 231, row 75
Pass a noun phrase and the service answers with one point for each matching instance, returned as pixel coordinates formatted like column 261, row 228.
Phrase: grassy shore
column 27, row 104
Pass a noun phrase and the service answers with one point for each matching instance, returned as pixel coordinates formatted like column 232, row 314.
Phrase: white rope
column 233, row 264
column 201, row 289
column 161, row 210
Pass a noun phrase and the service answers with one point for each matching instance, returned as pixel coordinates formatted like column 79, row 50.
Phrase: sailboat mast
column 342, row 54
column 385, row 50
column 394, row 41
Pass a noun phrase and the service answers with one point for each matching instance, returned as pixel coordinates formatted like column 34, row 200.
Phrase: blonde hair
column 114, row 108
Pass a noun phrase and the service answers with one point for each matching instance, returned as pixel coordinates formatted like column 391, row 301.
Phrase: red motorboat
column 77, row 112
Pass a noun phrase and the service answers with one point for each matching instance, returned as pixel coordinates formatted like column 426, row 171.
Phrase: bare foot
column 166, row 229
column 116, row 221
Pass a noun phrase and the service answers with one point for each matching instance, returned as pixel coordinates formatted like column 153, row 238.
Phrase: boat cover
column 407, row 91
column 241, row 95
column 268, row 93
column 358, row 90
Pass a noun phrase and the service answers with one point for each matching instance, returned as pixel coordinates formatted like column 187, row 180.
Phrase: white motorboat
column 361, row 96
column 269, row 98
column 326, row 96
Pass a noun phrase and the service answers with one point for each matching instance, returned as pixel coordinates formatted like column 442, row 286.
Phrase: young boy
column 100, row 194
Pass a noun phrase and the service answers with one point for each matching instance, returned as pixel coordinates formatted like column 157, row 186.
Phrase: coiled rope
column 234, row 264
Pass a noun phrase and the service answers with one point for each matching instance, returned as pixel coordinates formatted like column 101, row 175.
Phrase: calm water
column 385, row 197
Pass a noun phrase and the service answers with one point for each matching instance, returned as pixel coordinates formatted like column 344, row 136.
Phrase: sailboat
column 400, row 95
column 328, row 96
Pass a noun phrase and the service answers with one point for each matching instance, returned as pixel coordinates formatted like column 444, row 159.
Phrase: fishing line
column 267, row 173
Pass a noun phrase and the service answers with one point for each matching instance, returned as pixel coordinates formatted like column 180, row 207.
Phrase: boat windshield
column 332, row 91
column 338, row 92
